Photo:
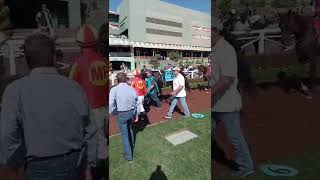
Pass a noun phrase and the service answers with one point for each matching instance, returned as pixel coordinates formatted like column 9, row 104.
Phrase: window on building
column 113, row 18
column 163, row 22
column 163, row 32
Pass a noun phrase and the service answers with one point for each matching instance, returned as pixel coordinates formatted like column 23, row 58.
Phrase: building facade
column 156, row 21
column 155, row 28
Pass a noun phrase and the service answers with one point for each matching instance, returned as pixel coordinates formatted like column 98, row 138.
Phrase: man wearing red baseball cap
column 141, row 88
column 90, row 70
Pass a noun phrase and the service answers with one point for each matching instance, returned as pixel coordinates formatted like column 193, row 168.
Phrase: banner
column 168, row 75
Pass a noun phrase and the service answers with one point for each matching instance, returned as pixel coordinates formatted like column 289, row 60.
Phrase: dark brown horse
column 307, row 45
column 206, row 74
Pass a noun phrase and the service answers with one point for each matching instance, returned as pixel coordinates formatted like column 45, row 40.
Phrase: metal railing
column 119, row 54
column 260, row 36
column 12, row 49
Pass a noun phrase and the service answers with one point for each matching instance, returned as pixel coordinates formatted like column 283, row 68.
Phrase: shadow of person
column 158, row 174
column 140, row 125
column 164, row 97
column 168, row 99
column 220, row 156
column 178, row 110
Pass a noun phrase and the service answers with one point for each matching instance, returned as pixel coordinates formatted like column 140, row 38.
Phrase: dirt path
column 276, row 125
column 198, row 101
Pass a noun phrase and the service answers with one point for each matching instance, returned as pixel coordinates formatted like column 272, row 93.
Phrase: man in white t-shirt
column 179, row 93
column 226, row 99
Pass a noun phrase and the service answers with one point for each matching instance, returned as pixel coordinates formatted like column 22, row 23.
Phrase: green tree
column 225, row 6
column 155, row 62
column 202, row 61
column 284, row 3
column 180, row 63
column 175, row 56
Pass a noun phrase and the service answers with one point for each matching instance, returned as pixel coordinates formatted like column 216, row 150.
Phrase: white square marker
column 180, row 137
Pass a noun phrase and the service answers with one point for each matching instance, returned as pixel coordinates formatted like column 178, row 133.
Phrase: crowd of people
column 244, row 21
column 128, row 102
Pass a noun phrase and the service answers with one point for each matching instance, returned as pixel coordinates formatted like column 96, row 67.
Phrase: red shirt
column 140, row 86
column 90, row 70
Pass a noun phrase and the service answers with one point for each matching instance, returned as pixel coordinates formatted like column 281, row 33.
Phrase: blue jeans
column 231, row 122
column 174, row 104
column 125, row 126
column 154, row 97
column 62, row 168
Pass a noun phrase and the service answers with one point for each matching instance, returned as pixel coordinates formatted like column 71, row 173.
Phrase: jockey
column 90, row 71
column 141, row 88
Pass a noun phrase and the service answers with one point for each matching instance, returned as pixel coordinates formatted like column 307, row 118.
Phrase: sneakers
column 167, row 117
column 242, row 173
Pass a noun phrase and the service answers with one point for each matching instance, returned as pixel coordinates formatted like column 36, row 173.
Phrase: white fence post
column 261, row 38
column 12, row 58
column 261, row 42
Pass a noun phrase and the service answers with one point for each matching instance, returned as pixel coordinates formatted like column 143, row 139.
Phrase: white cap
column 216, row 23
column 176, row 68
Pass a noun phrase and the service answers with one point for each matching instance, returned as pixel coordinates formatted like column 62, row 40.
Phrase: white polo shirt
column 225, row 64
column 179, row 81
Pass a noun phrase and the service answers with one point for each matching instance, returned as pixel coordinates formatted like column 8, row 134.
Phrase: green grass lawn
column 270, row 73
column 307, row 164
column 191, row 160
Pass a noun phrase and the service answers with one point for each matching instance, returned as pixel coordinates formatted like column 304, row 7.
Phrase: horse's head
column 201, row 68
column 288, row 26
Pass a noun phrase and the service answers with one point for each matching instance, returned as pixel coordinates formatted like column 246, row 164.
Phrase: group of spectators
column 244, row 21
column 127, row 101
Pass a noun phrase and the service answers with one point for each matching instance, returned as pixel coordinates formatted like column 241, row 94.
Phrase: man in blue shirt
column 45, row 120
column 123, row 101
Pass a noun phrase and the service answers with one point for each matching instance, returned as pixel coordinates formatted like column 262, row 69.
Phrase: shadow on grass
column 140, row 125
column 158, row 174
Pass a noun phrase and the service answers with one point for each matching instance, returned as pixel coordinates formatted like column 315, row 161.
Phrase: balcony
column 119, row 54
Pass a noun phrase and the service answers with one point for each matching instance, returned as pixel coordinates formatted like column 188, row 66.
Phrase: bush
column 175, row 56
column 155, row 63
column 180, row 63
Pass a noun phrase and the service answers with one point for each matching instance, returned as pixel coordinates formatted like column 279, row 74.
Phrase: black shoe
column 242, row 173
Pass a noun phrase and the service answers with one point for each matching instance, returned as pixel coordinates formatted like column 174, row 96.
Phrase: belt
column 35, row 159
column 125, row 111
